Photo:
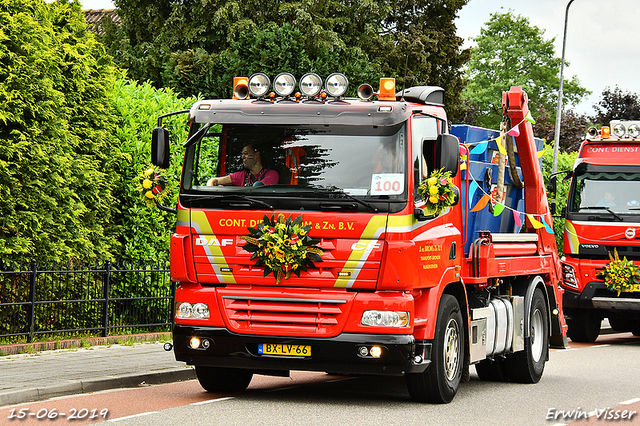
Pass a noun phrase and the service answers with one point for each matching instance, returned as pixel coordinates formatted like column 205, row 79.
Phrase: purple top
column 246, row 178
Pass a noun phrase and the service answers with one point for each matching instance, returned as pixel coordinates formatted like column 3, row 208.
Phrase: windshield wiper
column 339, row 191
column 222, row 198
column 608, row 209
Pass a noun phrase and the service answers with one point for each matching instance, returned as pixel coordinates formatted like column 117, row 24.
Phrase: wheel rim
column 537, row 335
column 451, row 344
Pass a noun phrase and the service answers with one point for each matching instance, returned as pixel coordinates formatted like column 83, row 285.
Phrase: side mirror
column 160, row 147
column 448, row 153
column 552, row 185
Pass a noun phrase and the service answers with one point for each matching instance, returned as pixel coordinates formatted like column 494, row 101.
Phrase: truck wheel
column 218, row 379
column 527, row 366
column 440, row 382
column 492, row 371
column 583, row 326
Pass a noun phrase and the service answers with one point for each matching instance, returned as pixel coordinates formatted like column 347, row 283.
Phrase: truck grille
column 290, row 316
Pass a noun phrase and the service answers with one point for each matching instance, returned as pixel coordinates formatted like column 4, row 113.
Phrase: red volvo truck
column 338, row 262
column 602, row 218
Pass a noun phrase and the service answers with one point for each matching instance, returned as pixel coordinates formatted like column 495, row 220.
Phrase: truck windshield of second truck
column 616, row 194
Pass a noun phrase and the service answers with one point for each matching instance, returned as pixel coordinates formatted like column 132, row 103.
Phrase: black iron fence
column 104, row 298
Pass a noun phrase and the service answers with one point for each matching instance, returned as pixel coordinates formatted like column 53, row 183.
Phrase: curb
column 21, row 348
column 96, row 385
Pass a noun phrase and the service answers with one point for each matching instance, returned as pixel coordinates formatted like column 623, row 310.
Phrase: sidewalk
column 42, row 375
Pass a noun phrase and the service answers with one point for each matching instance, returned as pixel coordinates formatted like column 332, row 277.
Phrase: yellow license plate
column 284, row 349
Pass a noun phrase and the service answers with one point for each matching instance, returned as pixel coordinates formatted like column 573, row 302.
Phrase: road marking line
column 129, row 417
column 208, row 401
column 631, row 401
column 340, row 380
column 281, row 389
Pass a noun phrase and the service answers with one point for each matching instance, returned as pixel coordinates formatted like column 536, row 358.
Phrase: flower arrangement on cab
column 153, row 185
column 619, row 275
column 439, row 192
column 282, row 246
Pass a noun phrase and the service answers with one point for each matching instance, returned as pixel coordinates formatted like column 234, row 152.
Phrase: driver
column 254, row 174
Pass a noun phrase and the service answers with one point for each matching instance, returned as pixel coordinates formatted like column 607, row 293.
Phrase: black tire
column 492, row 371
column 584, row 326
column 619, row 324
column 527, row 366
column 439, row 383
column 218, row 379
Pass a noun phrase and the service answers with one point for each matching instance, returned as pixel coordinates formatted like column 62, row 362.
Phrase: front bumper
column 596, row 296
column 337, row 354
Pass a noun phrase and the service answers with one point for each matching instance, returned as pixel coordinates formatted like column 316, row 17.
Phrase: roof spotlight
column 619, row 130
column 336, row 84
column 310, row 84
column 284, row 84
column 259, row 84
column 634, row 130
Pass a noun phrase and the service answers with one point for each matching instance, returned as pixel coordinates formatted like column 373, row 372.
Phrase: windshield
column 606, row 191
column 364, row 162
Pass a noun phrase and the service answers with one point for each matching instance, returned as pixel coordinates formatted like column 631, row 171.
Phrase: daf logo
column 630, row 233
column 362, row 246
column 202, row 241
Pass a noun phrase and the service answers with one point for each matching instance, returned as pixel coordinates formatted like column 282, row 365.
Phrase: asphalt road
column 587, row 378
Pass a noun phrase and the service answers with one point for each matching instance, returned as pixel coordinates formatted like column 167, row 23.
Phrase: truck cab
column 326, row 233
column 602, row 219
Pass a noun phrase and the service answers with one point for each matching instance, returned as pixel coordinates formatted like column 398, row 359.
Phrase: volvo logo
column 590, row 246
column 630, row 233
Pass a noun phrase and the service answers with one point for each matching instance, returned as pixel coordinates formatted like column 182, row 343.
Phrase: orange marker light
column 605, row 132
column 240, row 87
column 387, row 89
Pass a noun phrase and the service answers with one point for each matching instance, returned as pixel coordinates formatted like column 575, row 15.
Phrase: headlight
column 385, row 318
column 284, row 84
column 259, row 84
column 336, row 84
column 634, row 130
column 192, row 310
column 569, row 276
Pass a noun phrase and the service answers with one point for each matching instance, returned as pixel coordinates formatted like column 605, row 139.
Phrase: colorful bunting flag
column 473, row 187
column 501, row 148
column 515, row 131
column 535, row 223
column 480, row 148
column 541, row 153
column 483, row 202
column 529, row 118
column 497, row 210
column 546, row 226
column 517, row 218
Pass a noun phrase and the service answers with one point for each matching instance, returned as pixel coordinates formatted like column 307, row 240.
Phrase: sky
column 601, row 38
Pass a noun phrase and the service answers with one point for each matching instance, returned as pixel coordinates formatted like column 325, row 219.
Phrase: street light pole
column 559, row 110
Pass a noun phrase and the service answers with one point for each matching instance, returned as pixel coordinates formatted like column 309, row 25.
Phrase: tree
column 56, row 200
column 616, row 105
column 197, row 47
column 512, row 52
column 146, row 231
column 573, row 128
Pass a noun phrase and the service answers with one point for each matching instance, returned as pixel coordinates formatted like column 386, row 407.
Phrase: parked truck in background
column 602, row 218
column 387, row 288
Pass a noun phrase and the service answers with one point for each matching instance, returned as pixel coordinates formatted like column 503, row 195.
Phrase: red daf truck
column 337, row 262
column 602, row 218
